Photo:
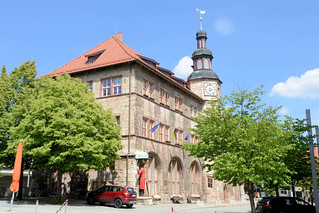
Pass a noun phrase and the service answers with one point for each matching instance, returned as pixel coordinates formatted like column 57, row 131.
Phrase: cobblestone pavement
column 81, row 207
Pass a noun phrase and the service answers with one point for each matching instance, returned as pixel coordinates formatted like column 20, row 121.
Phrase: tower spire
column 201, row 12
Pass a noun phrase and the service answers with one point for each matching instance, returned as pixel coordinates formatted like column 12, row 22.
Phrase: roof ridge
column 120, row 43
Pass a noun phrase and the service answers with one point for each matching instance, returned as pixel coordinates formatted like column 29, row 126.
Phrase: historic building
column 144, row 95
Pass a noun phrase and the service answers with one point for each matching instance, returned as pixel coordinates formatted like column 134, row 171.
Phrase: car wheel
column 91, row 201
column 118, row 203
column 129, row 205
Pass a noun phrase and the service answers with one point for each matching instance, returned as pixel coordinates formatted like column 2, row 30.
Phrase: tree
column 64, row 128
column 242, row 141
column 5, row 91
column 298, row 158
column 15, row 90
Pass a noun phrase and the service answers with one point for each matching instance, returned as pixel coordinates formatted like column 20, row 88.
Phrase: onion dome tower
column 203, row 80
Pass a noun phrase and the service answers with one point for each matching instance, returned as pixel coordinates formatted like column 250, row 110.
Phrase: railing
column 65, row 204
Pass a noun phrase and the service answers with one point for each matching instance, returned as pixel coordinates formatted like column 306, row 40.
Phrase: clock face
column 210, row 89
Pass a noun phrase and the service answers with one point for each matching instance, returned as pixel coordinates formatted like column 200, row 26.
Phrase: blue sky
column 271, row 43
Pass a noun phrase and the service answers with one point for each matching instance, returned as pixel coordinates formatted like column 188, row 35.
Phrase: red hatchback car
column 112, row 194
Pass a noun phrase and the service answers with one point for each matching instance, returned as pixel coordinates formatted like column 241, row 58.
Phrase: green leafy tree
column 15, row 90
column 242, row 141
column 65, row 129
column 298, row 158
column 5, row 91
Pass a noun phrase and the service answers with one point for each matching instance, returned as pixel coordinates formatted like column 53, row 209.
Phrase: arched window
column 152, row 175
column 195, row 178
column 206, row 63
column 174, row 177
column 199, row 64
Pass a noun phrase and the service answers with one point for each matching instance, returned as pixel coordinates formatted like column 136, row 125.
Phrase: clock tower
column 203, row 80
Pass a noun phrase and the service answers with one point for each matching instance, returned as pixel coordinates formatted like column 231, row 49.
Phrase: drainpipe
column 129, row 124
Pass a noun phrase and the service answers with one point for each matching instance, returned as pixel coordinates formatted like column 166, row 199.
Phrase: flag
column 173, row 133
column 186, row 138
column 153, row 129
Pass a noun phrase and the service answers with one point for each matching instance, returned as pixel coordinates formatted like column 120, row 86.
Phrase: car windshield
column 131, row 190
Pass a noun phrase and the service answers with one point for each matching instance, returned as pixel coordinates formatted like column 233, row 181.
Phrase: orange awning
column 17, row 169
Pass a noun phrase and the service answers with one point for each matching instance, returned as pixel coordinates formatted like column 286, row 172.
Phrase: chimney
column 119, row 36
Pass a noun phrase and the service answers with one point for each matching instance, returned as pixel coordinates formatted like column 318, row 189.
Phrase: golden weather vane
column 201, row 12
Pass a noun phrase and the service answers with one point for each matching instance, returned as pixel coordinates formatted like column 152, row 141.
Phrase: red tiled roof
column 112, row 51
column 115, row 52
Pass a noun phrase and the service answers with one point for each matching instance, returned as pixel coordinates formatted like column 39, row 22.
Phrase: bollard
column 172, row 209
column 36, row 206
column 66, row 205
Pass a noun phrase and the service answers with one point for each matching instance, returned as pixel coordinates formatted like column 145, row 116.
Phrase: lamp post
column 313, row 163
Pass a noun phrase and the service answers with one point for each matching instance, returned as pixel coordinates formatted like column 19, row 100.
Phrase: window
column 95, row 175
column 195, row 179
column 90, row 86
column 93, row 57
column 180, row 136
column 167, row 133
column 194, row 139
column 193, row 111
column 161, row 133
column 152, row 175
column 118, row 120
column 151, row 90
column 199, row 64
column 144, row 127
column 111, row 86
column 164, row 97
column 178, row 104
column 174, row 177
column 145, row 87
column 150, row 126
column 210, row 182
column 147, row 126
column 206, row 63
column 148, row 88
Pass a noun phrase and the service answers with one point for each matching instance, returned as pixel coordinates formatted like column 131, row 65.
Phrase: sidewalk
column 80, row 206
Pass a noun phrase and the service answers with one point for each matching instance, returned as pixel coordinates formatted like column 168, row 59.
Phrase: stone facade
column 150, row 96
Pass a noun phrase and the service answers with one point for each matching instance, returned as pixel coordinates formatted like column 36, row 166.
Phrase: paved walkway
column 80, row 206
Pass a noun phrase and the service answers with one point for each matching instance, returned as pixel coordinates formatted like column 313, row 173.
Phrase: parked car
column 283, row 205
column 112, row 194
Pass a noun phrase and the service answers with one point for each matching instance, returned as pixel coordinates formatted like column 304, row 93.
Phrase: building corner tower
column 203, row 80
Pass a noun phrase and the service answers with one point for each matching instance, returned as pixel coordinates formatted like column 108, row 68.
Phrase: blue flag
column 186, row 138
column 153, row 129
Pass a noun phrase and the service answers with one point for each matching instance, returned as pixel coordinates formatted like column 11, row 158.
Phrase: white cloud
column 306, row 86
column 184, row 68
column 224, row 26
column 283, row 111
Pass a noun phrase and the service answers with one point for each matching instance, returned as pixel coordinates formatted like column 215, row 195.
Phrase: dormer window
column 93, row 57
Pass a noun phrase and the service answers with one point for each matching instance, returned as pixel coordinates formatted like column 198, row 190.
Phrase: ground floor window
column 195, row 178
column 174, row 176
column 152, row 176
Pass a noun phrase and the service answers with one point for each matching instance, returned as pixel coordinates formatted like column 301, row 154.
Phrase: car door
column 103, row 196
column 99, row 193
column 109, row 194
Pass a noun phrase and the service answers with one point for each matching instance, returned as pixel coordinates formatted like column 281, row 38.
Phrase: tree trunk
column 251, row 189
column 58, row 187
column 293, row 190
column 277, row 190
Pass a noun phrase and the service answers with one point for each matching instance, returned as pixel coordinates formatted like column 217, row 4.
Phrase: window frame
column 110, row 86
